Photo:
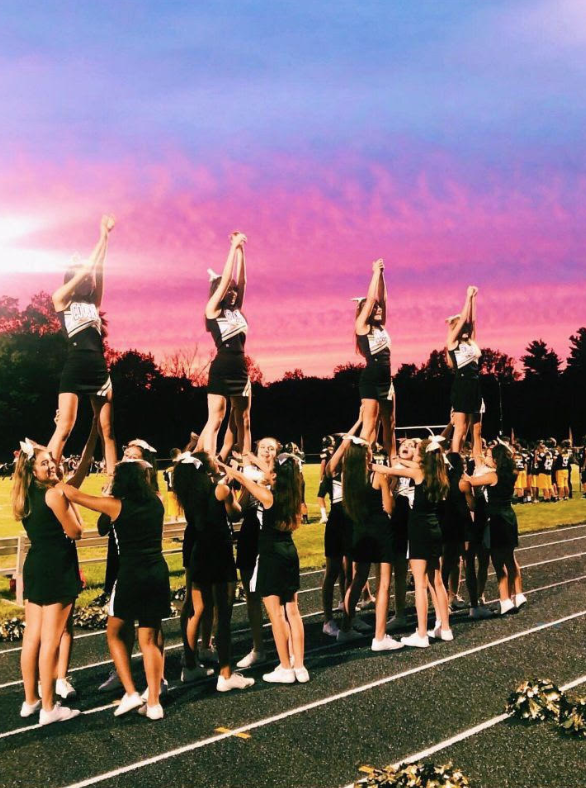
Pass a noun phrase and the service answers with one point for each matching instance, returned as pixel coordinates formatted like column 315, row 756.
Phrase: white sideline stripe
column 305, row 615
column 552, row 530
column 466, row 734
column 319, row 571
column 314, row 705
column 317, row 650
column 550, row 544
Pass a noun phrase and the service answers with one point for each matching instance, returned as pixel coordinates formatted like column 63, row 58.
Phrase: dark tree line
column 163, row 406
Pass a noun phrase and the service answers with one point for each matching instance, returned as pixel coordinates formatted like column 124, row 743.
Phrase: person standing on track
column 425, row 539
column 258, row 468
column 277, row 574
column 504, row 536
column 228, row 378
column 141, row 591
column 50, row 575
column 373, row 343
column 463, row 356
column 368, row 502
column 208, row 502
column 77, row 303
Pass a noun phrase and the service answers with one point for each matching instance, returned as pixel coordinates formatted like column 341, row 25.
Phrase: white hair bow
column 142, row 445
column 435, row 443
column 284, row 456
column 27, row 448
column 213, row 275
column 357, row 441
column 144, row 463
column 187, row 458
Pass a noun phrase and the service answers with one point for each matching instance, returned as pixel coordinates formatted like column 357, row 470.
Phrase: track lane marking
column 315, row 704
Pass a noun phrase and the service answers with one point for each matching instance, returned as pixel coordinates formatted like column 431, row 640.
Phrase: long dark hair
column 131, row 482
column 435, row 476
column 192, row 486
column 287, row 491
column 355, row 481
column 150, row 457
column 504, row 464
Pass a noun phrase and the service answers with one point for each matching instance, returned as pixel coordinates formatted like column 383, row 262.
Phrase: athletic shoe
column 301, row 675
column 208, row 654
column 163, row 691
column 348, row 637
column 111, row 683
column 128, row 703
column 152, row 712
column 416, row 640
column 340, row 607
column 28, row 709
column 440, row 634
column 396, row 622
column 508, row 606
column 361, row 626
column 281, row 675
column 519, row 600
column 458, row 603
column 387, row 643
column 331, row 628
column 480, row 612
column 64, row 689
column 236, row 681
column 58, row 713
column 189, row 675
column 251, row 659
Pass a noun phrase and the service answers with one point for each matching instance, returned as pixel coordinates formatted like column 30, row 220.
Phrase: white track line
column 314, row 705
column 549, row 544
column 305, row 615
column 550, row 530
column 467, row 734
column 317, row 650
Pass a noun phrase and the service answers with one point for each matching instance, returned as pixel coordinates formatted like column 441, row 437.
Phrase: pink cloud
column 313, row 228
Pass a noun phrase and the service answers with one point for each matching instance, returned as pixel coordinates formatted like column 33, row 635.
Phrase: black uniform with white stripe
column 85, row 370
column 375, row 378
column 228, row 374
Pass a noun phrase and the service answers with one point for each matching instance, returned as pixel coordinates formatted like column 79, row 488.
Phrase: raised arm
column 105, row 505
column 371, row 297
column 488, row 479
column 465, row 316
column 86, row 457
column 213, row 305
column 410, row 473
column 260, row 492
column 225, row 494
column 63, row 295
column 336, row 457
column 106, row 226
column 240, row 276
column 382, row 294
column 473, row 315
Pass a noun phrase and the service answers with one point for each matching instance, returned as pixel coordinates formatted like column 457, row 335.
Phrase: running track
column 359, row 709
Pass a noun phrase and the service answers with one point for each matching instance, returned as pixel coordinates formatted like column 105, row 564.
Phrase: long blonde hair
column 23, row 478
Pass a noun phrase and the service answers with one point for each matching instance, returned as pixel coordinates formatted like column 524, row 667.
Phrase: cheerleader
column 377, row 393
column 425, row 539
column 173, row 509
column 337, row 537
column 141, row 591
column 259, row 470
column 277, row 573
column 228, row 378
column 50, row 575
column 368, row 502
column 77, row 303
column 504, row 537
column 463, row 355
column 208, row 503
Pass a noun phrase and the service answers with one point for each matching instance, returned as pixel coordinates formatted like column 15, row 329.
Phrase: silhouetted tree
column 540, row 362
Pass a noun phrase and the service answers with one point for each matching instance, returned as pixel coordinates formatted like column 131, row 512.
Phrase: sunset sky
column 446, row 137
